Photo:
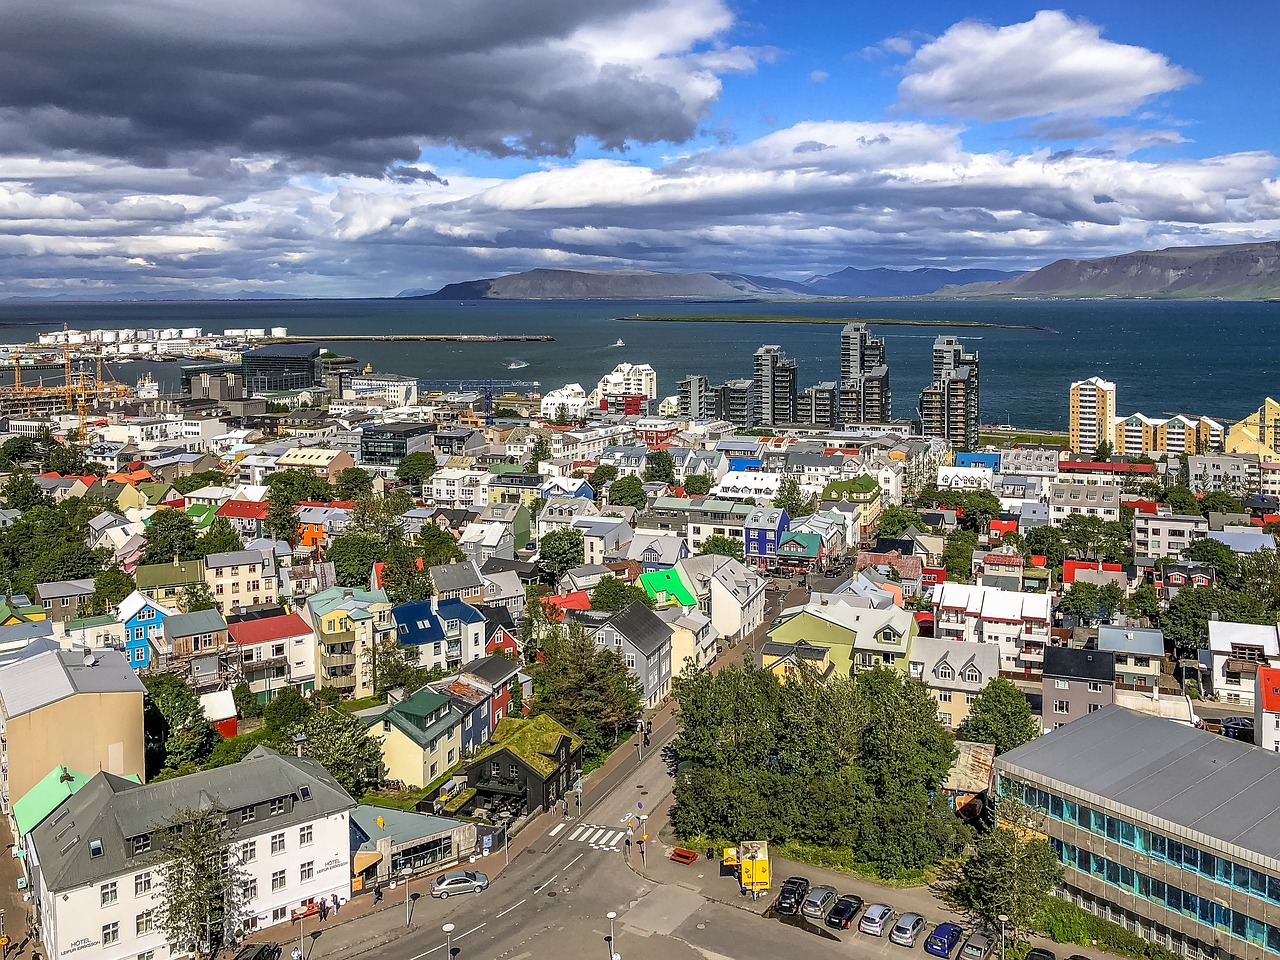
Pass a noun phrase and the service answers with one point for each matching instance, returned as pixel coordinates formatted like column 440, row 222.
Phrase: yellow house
column 784, row 660
column 421, row 738
column 349, row 623
column 1258, row 433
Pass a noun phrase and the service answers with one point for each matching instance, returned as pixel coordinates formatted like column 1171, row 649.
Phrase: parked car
column 819, row 902
column 979, row 946
column 845, row 909
column 909, row 928
column 1038, row 953
column 459, row 881
column 943, row 940
column 259, row 951
column 876, row 919
column 791, row 896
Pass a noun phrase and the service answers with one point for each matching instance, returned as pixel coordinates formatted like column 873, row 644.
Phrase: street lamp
column 1003, row 918
column 298, row 740
column 448, row 941
column 406, row 872
column 612, row 915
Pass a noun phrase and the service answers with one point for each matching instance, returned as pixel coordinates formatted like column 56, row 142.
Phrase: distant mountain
column 146, row 296
column 1238, row 271
column 888, row 282
column 621, row 285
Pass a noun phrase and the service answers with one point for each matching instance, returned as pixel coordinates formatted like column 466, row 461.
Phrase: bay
column 1214, row 358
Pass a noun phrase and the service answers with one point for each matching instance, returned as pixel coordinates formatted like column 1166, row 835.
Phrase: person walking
column 377, row 894
column 335, row 904
column 295, row 953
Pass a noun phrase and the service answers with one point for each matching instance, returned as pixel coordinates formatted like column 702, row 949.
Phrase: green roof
column 353, row 600
column 81, row 623
column 31, row 809
column 153, row 575
column 669, row 582
column 410, row 716
column 154, row 491
column 840, row 489
column 202, row 514
column 810, row 542
column 533, row 740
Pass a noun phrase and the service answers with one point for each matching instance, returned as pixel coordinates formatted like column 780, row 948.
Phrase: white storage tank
column 108, row 336
column 279, row 331
column 256, row 333
column 128, row 348
column 191, row 333
column 236, row 332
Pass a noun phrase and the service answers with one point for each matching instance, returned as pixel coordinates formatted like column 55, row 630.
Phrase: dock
column 418, row 338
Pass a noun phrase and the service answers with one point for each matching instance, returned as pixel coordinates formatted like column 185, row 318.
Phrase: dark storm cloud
column 339, row 86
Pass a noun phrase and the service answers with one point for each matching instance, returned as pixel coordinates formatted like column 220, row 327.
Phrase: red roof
column 557, row 605
column 1269, row 684
column 267, row 628
column 1140, row 505
column 244, row 509
column 1003, row 526
column 1038, row 559
column 1071, row 567
column 1102, row 466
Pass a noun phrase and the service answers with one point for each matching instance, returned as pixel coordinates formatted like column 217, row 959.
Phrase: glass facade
column 1184, row 856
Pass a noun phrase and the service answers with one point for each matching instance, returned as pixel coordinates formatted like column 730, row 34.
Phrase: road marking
column 573, row 861
column 512, row 907
column 595, row 837
column 441, row 946
column 612, row 839
column 548, row 883
column 555, row 830
column 576, row 835
column 625, row 819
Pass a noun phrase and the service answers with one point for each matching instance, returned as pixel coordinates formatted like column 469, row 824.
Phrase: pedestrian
column 335, row 904
column 324, row 910
column 377, row 894
column 295, row 954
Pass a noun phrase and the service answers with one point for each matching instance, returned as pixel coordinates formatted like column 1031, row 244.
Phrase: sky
column 333, row 148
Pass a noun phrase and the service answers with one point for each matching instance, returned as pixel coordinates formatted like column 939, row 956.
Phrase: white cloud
column 894, row 46
column 819, row 76
column 1051, row 64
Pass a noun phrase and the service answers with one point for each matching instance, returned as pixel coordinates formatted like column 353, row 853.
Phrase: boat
column 619, row 343
column 516, row 365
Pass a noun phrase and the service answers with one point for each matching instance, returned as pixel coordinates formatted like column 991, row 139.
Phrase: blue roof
column 991, row 460
column 745, row 463
column 1244, row 541
column 417, row 623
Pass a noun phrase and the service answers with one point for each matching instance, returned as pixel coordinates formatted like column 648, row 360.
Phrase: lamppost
column 407, row 872
column 612, row 915
column 1003, row 918
column 448, row 941
column 298, row 740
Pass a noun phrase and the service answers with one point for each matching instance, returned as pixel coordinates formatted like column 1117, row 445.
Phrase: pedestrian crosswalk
column 595, row 836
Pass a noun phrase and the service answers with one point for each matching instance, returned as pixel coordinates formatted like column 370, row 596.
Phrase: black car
column 792, row 894
column 1037, row 953
column 844, row 911
column 259, row 951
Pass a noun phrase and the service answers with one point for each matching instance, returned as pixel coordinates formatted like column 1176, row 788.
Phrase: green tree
column 247, row 704
column 628, row 492
column 110, row 587
column 697, row 485
column 438, row 547
column 353, row 556
column 894, row 520
column 171, row 709
column 793, row 499
column 1185, row 622
column 194, row 481
column 287, row 489
column 288, row 709
column 957, row 555
column 1103, row 451
column 1049, row 542
column 189, row 749
column 539, row 452
column 405, row 576
column 1219, row 501
column 1258, row 574
column 561, row 550
column 21, row 450
column 205, row 900
column 377, row 517
column 612, row 594
column 170, row 533
column 282, row 517
column 1217, row 553
column 352, row 483
column 721, row 546
column 197, row 596
column 1015, row 542
column 1182, row 501
column 220, row 537
column 418, row 468
column 1144, row 602
column 1001, row 715
column 1013, row 871
column 602, row 476
column 660, row 467
column 1084, row 535
column 21, row 492
column 341, row 744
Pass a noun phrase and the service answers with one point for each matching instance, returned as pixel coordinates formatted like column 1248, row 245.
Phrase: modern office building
column 949, row 406
column 865, row 396
column 1092, row 417
column 775, row 382
column 1163, row 828
column 282, row 366
column 695, row 398
column 386, row 444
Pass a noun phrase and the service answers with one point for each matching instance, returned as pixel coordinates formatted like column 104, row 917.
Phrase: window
column 969, row 698
column 944, row 696
column 146, row 955
column 277, row 843
column 307, row 871
column 110, row 934
column 144, row 923
column 631, row 661
column 279, row 914
column 277, row 880
column 452, row 752
column 1094, row 706
column 142, row 884
column 248, row 814
column 249, row 851
column 1062, row 684
column 107, row 894
column 277, row 806
column 251, row 890
column 141, row 844
column 1061, row 706
column 946, row 672
column 1095, row 687
column 305, row 835
column 945, row 719
column 972, row 675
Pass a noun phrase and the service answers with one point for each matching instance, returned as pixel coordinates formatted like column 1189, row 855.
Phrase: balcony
column 257, row 666
column 345, row 682
column 1247, row 667
column 1033, row 654
column 339, row 659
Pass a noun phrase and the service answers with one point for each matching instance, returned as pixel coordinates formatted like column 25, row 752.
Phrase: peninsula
column 784, row 318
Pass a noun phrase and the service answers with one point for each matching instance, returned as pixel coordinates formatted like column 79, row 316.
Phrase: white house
column 730, row 594
column 966, row 478
column 1018, row 622
column 96, row 861
column 1238, row 651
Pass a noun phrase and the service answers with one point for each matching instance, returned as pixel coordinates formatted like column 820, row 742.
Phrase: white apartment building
column 276, row 652
column 630, row 378
column 1066, row 499
column 96, row 862
column 458, row 487
column 388, row 389
column 1239, row 651
column 1166, row 535
column 1238, row 474
column 241, row 578
column 569, row 401
column 1018, row 622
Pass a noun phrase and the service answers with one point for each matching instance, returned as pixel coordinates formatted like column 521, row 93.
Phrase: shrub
column 1064, row 922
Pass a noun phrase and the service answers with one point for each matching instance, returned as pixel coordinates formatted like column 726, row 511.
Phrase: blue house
column 143, row 621
column 763, row 530
column 567, row 487
column 989, row 460
column 446, row 633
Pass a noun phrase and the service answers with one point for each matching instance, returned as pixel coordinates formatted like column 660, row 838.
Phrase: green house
column 858, row 638
column 666, row 587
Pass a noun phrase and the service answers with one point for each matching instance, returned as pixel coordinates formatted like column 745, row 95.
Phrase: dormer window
column 141, row 844
column 972, row 675
column 945, row 672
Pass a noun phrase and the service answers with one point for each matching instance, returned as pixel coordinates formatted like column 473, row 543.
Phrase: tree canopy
column 628, row 492
column 894, row 520
column 417, row 467
column 170, row 533
column 660, row 467
column 1089, row 602
column 561, row 550
column 352, row 483
column 194, row 481
column 1001, row 715
column 612, row 595
column 722, row 546
column 220, row 537
column 793, row 499
column 353, row 556
column 957, row 555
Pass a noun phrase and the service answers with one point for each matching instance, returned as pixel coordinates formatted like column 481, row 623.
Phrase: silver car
column 908, row 929
column 459, row 881
column 819, row 902
column 876, row 919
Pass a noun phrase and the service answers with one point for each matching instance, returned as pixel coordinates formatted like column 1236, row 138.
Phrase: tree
column 282, row 518
column 221, row 537
column 894, row 520
column 170, row 534
column 1103, row 451
column 288, row 488
column 20, row 450
column 247, row 704
column 561, row 550
column 793, row 499
column 1089, row 602
column 110, row 587
column 660, row 467
column 628, row 492
column 194, row 481
column 1182, row 501
column 1185, row 622
column 1013, row 871
column 197, row 596
column 1049, row 542
column 1144, row 602
column 697, row 485
column 438, row 547
column 204, row 884
column 287, row 709
column 172, row 709
column 1217, row 553
column 1219, row 501
column 405, row 576
column 602, row 476
column 721, row 546
column 378, row 517
column 341, row 744
column 353, row 556
column 1015, row 542
column 1001, row 716
column 1083, row 534
column 612, row 595
column 957, row 555
column 21, row 492
column 539, row 452
column 352, row 483
column 417, row 468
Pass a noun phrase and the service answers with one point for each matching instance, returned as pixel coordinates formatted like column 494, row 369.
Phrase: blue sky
column 323, row 148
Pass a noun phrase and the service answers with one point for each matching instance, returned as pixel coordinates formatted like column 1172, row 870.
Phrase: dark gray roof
column 190, row 624
column 64, row 588
column 456, row 576
column 111, row 809
column 234, row 558
column 642, row 627
column 1224, row 789
column 308, row 350
column 491, row 669
column 1099, row 665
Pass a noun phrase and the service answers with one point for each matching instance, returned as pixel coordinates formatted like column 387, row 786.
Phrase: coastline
column 785, row 318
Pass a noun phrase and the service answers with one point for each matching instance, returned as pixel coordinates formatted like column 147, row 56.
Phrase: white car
column 459, row 881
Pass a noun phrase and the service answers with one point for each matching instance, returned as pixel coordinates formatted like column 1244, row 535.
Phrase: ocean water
column 1214, row 358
